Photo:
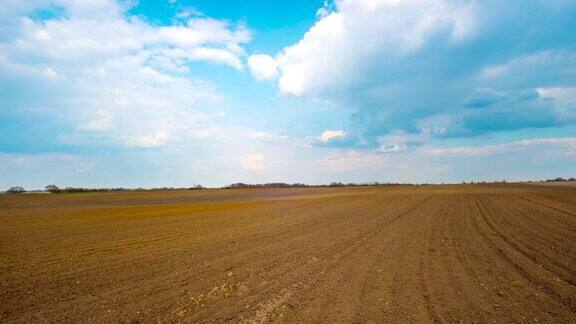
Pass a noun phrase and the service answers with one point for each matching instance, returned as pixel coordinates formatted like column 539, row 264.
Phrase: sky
column 151, row 93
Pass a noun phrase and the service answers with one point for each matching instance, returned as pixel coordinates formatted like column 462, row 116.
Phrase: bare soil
column 555, row 183
column 460, row 253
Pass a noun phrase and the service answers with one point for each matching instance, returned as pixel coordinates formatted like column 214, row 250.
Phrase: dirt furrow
column 455, row 253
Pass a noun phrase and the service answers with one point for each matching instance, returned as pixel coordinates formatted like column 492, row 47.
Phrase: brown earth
column 555, row 183
column 460, row 253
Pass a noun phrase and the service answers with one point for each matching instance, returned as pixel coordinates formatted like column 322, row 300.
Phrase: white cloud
column 564, row 96
column 566, row 145
column 157, row 138
column 253, row 162
column 336, row 51
column 216, row 55
column 493, row 71
column 396, row 63
column 330, row 135
column 104, row 122
column 103, row 71
column 203, row 39
column 263, row 67
column 187, row 12
column 390, row 148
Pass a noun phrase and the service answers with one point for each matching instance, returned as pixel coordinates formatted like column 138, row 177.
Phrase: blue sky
column 104, row 93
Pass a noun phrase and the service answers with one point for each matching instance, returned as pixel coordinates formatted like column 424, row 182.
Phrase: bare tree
column 53, row 188
column 16, row 190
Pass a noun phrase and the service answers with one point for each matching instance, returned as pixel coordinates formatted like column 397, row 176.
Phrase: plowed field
column 459, row 253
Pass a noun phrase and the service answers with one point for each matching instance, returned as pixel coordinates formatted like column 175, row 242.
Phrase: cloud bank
column 480, row 64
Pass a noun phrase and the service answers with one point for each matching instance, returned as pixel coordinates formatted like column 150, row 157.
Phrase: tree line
column 241, row 185
column 16, row 190
column 57, row 190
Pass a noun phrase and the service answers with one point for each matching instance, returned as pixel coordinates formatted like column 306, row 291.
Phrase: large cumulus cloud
column 481, row 65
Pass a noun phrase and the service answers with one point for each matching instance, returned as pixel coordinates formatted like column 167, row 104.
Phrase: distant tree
column 17, row 190
column 53, row 189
